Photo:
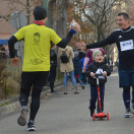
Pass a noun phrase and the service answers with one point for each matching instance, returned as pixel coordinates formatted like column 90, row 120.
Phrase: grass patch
column 4, row 104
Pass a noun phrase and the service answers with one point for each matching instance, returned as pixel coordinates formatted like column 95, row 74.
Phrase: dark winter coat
column 53, row 57
column 77, row 66
column 93, row 67
column 81, row 55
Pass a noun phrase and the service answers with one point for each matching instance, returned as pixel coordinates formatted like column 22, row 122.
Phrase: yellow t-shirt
column 37, row 46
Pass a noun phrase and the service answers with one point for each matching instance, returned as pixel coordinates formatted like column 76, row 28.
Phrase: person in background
column 106, row 60
column 77, row 68
column 81, row 53
column 81, row 56
column 84, row 77
column 111, row 64
column 53, row 62
column 89, row 59
column 67, row 67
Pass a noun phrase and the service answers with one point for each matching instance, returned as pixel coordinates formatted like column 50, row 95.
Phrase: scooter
column 100, row 114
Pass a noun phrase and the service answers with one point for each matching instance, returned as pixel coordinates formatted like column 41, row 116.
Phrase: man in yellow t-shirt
column 36, row 62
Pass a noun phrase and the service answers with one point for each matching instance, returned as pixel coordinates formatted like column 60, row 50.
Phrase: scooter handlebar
column 98, row 75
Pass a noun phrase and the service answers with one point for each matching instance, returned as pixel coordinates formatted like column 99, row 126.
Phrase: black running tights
column 38, row 80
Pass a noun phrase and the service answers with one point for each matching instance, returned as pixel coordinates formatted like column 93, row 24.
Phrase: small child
column 97, row 67
column 77, row 68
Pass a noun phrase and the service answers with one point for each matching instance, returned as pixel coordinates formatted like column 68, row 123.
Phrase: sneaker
column 54, row 93
column 65, row 93
column 76, row 92
column 83, row 87
column 22, row 120
column 85, row 84
column 30, row 126
column 132, row 108
column 127, row 114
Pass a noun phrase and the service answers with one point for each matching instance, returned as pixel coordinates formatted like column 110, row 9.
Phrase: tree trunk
column 61, row 27
column 62, row 7
column 28, row 11
column 51, row 5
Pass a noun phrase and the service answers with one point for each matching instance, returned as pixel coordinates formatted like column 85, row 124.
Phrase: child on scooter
column 97, row 67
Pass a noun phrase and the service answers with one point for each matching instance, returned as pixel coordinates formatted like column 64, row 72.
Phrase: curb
column 15, row 100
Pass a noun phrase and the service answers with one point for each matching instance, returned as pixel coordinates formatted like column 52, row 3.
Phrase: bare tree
column 11, row 6
column 59, row 9
column 51, row 13
column 98, row 14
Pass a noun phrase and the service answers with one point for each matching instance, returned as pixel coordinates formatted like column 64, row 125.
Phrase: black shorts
column 126, row 78
column 37, row 79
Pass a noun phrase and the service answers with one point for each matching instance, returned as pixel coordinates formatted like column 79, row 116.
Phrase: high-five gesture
column 80, row 45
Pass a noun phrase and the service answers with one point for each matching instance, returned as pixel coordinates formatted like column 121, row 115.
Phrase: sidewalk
column 69, row 114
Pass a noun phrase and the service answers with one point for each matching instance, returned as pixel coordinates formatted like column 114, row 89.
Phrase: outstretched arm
column 64, row 42
column 74, row 28
column 109, row 40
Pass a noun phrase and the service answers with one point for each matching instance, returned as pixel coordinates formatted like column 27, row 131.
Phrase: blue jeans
column 93, row 92
column 72, row 78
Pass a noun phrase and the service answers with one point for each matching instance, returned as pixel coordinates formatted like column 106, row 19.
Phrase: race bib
column 126, row 45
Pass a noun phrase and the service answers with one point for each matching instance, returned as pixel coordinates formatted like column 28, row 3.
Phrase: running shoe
column 127, row 114
column 85, row 84
column 31, row 126
column 54, row 93
column 83, row 87
column 22, row 120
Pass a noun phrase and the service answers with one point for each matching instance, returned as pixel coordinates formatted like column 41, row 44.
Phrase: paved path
column 70, row 115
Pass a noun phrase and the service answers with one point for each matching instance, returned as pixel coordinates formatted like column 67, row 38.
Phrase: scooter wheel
column 107, row 116
column 94, row 117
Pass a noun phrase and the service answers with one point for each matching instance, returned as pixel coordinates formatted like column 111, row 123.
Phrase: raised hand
column 75, row 26
column 80, row 45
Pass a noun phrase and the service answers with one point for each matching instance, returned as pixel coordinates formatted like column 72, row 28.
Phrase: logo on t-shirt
column 36, row 61
column 99, row 71
column 36, row 38
column 120, row 36
column 126, row 45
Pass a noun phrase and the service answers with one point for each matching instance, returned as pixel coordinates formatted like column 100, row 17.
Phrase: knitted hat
column 96, row 52
column 76, row 54
column 40, row 13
